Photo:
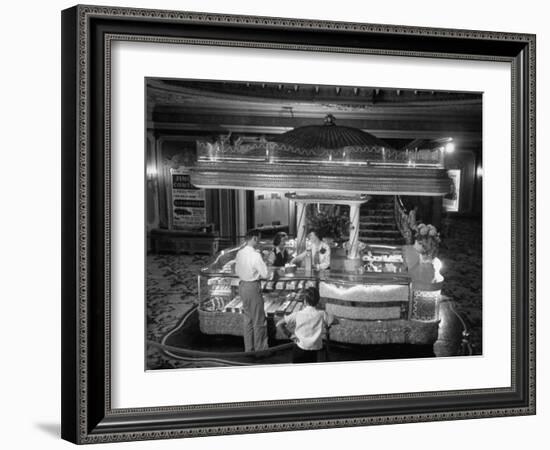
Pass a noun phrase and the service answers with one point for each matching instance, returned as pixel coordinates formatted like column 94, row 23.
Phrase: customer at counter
column 420, row 258
column 307, row 328
column 250, row 267
column 279, row 256
column 320, row 252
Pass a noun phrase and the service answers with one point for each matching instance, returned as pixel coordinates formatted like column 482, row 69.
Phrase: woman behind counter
column 279, row 256
column 320, row 252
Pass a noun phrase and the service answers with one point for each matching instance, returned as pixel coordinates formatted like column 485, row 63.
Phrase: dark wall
column 430, row 209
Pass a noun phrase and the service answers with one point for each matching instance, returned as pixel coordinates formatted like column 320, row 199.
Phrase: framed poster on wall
column 188, row 201
column 451, row 201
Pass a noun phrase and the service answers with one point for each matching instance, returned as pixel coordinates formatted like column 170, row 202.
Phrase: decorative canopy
column 323, row 159
column 329, row 136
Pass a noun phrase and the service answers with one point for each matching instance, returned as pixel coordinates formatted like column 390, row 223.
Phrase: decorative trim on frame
column 84, row 14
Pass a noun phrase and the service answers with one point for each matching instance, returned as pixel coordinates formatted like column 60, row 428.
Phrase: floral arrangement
column 428, row 239
column 331, row 222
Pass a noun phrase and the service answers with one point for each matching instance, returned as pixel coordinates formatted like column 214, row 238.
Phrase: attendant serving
column 320, row 252
column 279, row 256
column 250, row 267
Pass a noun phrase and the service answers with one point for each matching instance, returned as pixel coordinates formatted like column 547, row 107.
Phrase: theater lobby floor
column 172, row 292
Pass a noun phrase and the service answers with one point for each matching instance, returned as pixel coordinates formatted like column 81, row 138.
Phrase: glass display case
column 374, row 305
column 378, row 308
column 383, row 258
column 220, row 306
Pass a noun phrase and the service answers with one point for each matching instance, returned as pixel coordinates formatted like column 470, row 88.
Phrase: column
column 227, row 214
column 300, row 226
column 152, row 184
column 164, row 183
column 354, row 231
column 291, row 217
column 241, row 214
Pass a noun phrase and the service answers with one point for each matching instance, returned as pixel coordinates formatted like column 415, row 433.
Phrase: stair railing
column 402, row 220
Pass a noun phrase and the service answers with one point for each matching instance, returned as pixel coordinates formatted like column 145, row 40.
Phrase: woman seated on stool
column 320, row 252
column 279, row 256
column 309, row 327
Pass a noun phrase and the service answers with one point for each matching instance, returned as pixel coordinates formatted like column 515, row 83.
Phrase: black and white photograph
column 298, row 223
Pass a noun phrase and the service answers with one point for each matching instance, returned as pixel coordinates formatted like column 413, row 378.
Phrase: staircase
column 377, row 222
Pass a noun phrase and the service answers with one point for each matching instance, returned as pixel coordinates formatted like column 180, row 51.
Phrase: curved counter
column 369, row 307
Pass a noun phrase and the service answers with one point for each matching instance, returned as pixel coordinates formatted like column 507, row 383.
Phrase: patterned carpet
column 461, row 255
column 171, row 292
column 172, row 286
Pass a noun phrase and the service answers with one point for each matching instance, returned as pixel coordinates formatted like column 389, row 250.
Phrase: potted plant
column 332, row 221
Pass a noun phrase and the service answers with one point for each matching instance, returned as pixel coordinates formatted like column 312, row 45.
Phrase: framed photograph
column 281, row 224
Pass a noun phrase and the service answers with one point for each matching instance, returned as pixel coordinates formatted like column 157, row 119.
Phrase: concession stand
column 368, row 287
column 377, row 303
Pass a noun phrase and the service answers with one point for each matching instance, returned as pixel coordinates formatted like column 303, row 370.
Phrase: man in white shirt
column 309, row 327
column 250, row 267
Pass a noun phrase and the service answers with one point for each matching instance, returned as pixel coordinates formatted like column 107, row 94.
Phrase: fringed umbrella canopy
column 329, row 136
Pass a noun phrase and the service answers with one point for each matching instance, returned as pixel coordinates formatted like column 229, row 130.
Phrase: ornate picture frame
column 87, row 35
